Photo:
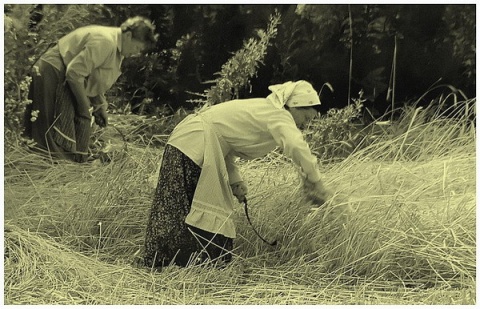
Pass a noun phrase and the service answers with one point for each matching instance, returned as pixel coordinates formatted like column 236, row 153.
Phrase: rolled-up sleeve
column 93, row 55
column 290, row 139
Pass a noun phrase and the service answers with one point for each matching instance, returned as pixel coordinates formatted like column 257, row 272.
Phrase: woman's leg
column 216, row 247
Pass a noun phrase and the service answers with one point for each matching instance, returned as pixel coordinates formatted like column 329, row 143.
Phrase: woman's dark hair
column 316, row 107
column 141, row 28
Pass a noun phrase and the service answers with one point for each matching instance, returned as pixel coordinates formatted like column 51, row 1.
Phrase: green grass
column 399, row 230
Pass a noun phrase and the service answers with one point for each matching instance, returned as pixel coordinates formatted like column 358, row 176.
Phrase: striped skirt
column 169, row 240
column 57, row 130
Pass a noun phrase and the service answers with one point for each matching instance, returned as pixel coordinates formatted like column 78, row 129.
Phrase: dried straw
column 399, row 230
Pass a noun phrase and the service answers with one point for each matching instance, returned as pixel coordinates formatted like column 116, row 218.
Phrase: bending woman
column 190, row 219
column 73, row 76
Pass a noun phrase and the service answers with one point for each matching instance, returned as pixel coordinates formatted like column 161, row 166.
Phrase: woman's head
column 299, row 98
column 302, row 95
column 293, row 94
column 138, row 33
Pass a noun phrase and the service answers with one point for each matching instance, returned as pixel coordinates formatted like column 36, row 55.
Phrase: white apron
column 212, row 206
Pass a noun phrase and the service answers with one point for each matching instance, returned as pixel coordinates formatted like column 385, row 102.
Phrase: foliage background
column 352, row 47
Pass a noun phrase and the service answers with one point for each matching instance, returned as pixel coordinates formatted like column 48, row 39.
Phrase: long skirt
column 169, row 240
column 51, row 97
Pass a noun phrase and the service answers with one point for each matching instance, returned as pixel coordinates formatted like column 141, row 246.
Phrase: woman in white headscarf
column 190, row 219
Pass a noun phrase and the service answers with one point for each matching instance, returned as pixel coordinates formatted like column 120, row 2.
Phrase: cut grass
column 400, row 229
column 405, row 223
column 38, row 270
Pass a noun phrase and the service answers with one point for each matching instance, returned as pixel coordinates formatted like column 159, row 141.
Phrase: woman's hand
column 240, row 190
column 101, row 117
column 316, row 191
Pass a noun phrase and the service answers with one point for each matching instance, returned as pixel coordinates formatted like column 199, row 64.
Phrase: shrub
column 236, row 73
column 335, row 135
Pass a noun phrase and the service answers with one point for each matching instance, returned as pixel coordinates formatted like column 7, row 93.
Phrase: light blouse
column 92, row 56
column 247, row 129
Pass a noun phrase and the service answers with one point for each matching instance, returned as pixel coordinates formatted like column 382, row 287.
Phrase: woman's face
column 130, row 46
column 302, row 115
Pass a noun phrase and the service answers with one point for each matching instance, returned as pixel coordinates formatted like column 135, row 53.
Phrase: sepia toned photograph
column 239, row 154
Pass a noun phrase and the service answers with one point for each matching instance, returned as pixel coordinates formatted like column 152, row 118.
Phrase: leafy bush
column 236, row 73
column 18, row 59
column 358, row 46
column 147, row 83
column 335, row 135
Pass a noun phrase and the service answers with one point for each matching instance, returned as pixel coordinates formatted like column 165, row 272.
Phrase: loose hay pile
column 75, row 231
column 413, row 223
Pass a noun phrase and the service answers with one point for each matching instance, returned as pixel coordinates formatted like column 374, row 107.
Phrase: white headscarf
column 293, row 94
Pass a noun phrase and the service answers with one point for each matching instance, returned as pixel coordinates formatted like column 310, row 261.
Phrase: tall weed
column 236, row 73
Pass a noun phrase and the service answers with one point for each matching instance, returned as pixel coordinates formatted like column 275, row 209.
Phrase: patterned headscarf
column 293, row 94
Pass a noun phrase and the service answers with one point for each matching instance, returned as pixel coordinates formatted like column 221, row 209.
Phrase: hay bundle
column 100, row 208
column 41, row 271
column 405, row 223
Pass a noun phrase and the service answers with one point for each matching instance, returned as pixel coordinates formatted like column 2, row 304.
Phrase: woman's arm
column 290, row 138
column 239, row 188
column 286, row 135
column 81, row 66
column 83, row 102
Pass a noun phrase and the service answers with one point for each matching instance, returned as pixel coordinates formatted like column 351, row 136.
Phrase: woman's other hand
column 240, row 190
column 316, row 191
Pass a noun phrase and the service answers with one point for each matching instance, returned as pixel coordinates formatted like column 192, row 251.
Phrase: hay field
column 399, row 230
